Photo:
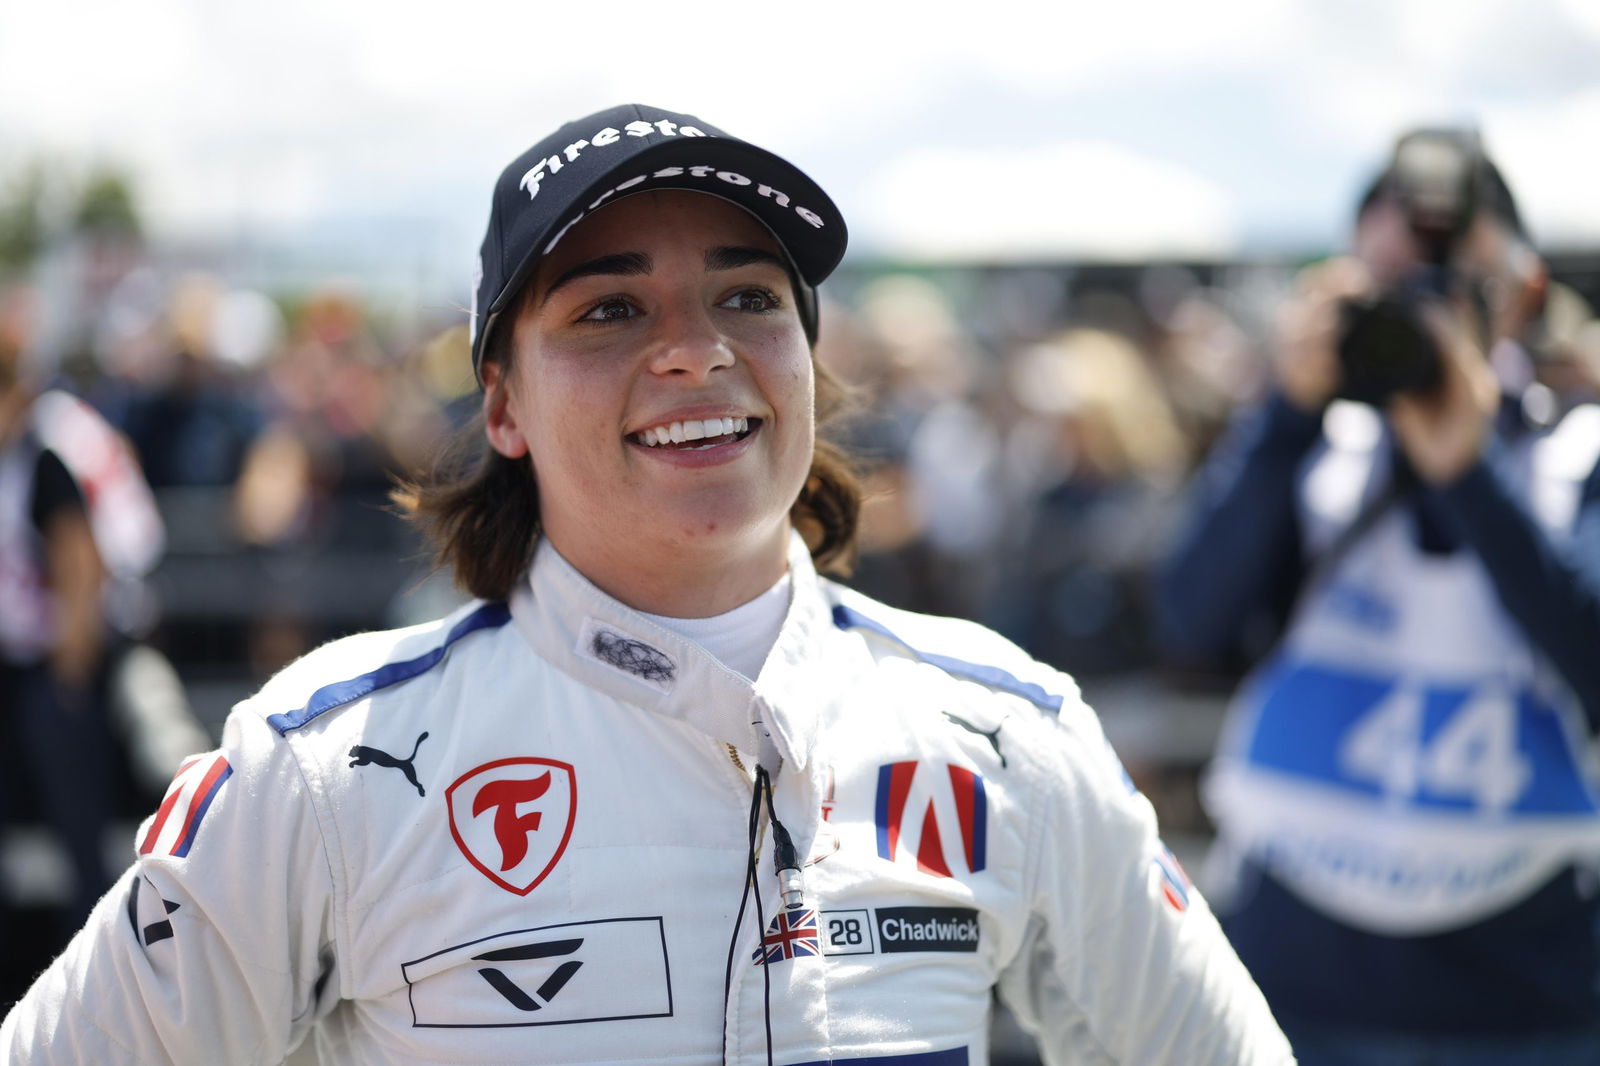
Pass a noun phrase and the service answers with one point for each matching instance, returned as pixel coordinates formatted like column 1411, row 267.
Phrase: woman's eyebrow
column 732, row 257
column 623, row 264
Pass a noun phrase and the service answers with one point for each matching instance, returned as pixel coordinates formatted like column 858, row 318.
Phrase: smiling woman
column 688, row 327
column 663, row 793
column 600, row 292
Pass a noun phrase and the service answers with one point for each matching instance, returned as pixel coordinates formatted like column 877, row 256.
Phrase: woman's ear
column 501, row 420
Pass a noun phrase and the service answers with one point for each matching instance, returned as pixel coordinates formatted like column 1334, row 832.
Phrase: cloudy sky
column 1117, row 128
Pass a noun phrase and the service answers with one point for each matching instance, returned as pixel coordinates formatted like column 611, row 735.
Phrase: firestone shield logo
column 512, row 818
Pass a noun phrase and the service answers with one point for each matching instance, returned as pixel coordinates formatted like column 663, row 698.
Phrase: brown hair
column 479, row 511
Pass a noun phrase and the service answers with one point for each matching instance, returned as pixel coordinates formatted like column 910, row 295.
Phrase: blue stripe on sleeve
column 199, row 815
column 990, row 676
column 881, row 809
column 980, row 824
column 326, row 698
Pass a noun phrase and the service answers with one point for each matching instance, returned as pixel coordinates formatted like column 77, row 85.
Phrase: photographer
column 1405, row 540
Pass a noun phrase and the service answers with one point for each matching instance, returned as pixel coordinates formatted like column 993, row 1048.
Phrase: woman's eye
column 751, row 300
column 614, row 309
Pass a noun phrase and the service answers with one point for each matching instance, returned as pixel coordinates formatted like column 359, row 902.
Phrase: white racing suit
column 520, row 835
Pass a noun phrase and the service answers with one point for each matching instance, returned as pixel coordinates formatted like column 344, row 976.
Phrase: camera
column 1437, row 178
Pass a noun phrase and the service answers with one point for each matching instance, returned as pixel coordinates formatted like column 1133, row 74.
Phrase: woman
column 565, row 824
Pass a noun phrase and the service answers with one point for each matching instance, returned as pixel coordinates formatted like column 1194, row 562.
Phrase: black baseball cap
column 1490, row 191
column 593, row 161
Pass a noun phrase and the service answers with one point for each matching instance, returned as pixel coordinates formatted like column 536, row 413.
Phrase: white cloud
column 243, row 114
column 1551, row 158
column 70, row 71
column 1032, row 45
column 1077, row 198
column 1584, row 13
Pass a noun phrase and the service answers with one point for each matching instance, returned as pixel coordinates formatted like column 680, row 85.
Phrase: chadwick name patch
column 927, row 929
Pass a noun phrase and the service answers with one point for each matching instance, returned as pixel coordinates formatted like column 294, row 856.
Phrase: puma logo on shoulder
column 361, row 755
column 992, row 736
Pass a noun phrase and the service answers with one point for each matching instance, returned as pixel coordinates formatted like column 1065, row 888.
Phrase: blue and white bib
column 1407, row 763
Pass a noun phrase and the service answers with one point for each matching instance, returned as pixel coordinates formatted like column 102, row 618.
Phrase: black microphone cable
column 785, row 860
column 791, row 889
column 738, row 921
column 763, row 782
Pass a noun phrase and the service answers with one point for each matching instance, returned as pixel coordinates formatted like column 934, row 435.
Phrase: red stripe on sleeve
column 217, row 767
column 174, row 790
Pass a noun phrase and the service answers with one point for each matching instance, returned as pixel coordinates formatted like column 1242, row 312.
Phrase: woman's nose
column 690, row 343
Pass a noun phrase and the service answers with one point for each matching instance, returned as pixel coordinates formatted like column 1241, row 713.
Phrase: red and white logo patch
column 922, row 805
column 512, row 818
column 177, row 820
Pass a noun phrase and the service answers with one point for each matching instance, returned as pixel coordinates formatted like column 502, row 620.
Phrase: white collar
column 616, row 650
column 743, row 637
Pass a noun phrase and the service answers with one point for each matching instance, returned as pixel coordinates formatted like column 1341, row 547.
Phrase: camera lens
column 1385, row 348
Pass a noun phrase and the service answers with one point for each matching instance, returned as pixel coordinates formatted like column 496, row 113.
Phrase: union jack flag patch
column 791, row 935
column 177, row 820
column 1175, row 883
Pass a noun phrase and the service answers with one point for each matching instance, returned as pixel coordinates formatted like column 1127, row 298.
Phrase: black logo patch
column 634, row 656
column 361, row 755
column 551, row 985
column 552, row 975
column 155, row 931
column 992, row 735
column 927, row 929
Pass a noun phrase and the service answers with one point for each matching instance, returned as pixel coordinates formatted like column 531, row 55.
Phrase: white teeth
column 693, row 429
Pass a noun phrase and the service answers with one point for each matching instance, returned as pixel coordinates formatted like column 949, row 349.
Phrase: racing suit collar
column 616, row 650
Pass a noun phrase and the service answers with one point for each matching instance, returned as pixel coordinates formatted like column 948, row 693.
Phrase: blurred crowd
column 194, row 485
column 1024, row 432
column 1028, row 434
column 268, row 431
column 1021, row 467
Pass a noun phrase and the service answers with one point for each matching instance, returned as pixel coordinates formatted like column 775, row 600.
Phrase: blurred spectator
column 1089, row 468
column 935, row 511
column 183, row 409
column 77, row 527
column 1207, row 365
column 888, row 530
column 343, row 418
column 1407, row 830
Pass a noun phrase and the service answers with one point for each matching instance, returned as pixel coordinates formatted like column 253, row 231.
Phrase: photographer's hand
column 1306, row 356
column 1443, row 432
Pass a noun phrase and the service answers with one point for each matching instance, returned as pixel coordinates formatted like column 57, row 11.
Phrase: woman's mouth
column 696, row 433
